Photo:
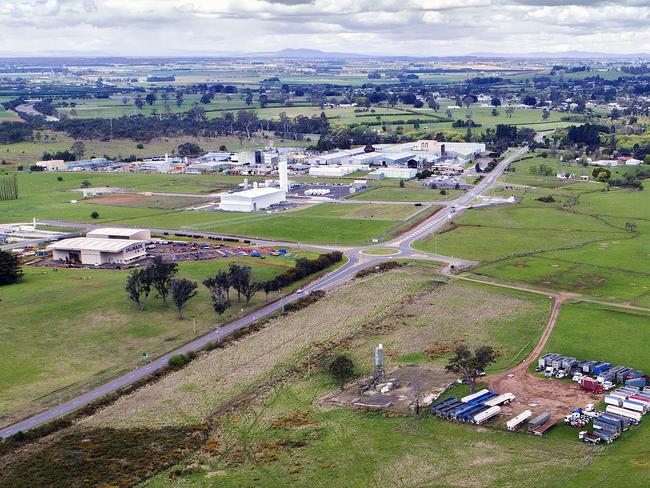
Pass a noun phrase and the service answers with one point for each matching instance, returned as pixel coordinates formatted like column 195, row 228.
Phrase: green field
column 582, row 329
column 27, row 153
column 588, row 241
column 43, row 197
column 410, row 193
column 63, row 328
column 521, row 171
column 619, row 336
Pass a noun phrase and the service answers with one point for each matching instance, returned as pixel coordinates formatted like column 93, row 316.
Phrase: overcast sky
column 407, row 27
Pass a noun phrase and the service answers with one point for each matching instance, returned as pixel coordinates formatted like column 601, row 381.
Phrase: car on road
column 300, row 291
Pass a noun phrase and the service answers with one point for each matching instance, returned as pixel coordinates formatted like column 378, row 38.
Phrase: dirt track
column 535, row 393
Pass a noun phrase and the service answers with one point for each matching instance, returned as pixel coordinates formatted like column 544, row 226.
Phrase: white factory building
column 408, row 153
column 258, row 198
column 103, row 246
column 335, row 171
column 394, row 172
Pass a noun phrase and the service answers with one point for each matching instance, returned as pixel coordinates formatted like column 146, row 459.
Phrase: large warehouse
column 96, row 250
column 252, row 200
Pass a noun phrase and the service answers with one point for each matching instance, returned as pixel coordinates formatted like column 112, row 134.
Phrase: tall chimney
column 284, row 175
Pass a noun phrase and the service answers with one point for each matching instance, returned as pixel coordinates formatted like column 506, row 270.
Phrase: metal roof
column 93, row 244
column 253, row 193
column 113, row 231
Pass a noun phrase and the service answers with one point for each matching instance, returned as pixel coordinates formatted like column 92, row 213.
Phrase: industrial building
column 120, row 233
column 97, row 251
column 252, row 200
column 52, row 165
column 258, row 198
column 334, row 171
column 394, row 172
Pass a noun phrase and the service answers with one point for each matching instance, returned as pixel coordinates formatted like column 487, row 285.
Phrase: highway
column 356, row 261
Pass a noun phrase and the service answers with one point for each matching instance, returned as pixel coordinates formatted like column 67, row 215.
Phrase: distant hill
column 310, row 53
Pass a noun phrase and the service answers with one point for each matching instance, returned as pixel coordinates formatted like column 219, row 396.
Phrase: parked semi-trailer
column 516, row 422
column 486, row 415
column 613, row 400
column 624, row 412
column 502, row 399
column 543, row 429
column 636, row 406
column 473, row 396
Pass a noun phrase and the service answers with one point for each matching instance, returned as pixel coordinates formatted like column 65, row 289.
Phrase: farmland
column 43, row 197
column 87, row 330
column 509, row 321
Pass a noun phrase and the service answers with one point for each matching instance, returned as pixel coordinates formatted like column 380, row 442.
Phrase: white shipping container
column 613, row 400
column 486, row 415
column 637, row 407
column 471, row 397
column 623, row 412
column 515, row 422
column 500, row 400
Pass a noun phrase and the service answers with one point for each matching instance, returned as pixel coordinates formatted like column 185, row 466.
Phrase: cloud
column 413, row 27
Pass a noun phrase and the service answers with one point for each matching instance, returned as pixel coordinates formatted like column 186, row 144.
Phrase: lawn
column 406, row 194
column 43, row 197
column 64, row 328
column 525, row 171
column 614, row 268
column 530, row 226
column 590, row 331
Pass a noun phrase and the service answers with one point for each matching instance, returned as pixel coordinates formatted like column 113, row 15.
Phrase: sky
column 381, row 27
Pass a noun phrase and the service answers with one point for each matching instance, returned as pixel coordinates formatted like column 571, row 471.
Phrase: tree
column 495, row 112
column 151, row 98
column 239, row 278
column 496, row 102
column 341, row 369
column 138, row 286
column 86, row 184
column 509, row 110
column 179, row 98
column 220, row 300
column 545, row 114
column 161, row 276
column 190, row 149
column 138, row 102
column 182, row 291
column 249, row 289
column 471, row 365
column 601, row 174
column 401, row 183
column 10, row 271
column 78, row 149
column 94, row 214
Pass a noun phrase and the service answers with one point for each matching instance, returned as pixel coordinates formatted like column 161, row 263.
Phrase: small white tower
column 284, row 175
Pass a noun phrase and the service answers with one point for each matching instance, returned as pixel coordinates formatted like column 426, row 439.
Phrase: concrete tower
column 284, row 175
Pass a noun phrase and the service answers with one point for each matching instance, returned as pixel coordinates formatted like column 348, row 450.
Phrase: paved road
column 356, row 262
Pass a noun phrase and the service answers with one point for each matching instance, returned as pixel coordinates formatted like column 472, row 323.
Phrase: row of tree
column 8, row 187
column 159, row 277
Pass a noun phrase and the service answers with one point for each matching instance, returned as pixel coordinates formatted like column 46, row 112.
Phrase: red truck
column 591, row 385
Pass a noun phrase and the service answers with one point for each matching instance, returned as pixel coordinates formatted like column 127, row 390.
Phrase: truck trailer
column 516, row 422
column 624, row 412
